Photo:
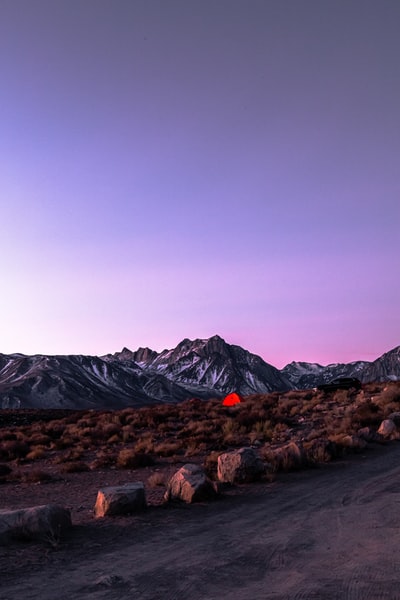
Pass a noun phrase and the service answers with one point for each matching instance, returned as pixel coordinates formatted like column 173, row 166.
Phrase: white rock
column 120, row 500
column 387, row 428
column 240, row 466
column 190, row 484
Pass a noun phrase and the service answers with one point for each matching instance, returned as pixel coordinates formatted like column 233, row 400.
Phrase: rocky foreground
column 326, row 533
column 307, row 533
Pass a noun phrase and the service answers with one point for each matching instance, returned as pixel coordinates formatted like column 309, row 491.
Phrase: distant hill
column 203, row 368
column 303, row 375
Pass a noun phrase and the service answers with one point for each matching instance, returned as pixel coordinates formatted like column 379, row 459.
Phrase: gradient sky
column 181, row 168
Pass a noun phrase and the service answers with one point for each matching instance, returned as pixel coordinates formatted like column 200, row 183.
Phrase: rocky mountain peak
column 144, row 355
column 204, row 368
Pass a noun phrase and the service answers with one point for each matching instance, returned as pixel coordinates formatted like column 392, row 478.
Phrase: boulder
column 240, row 466
column 388, row 430
column 395, row 417
column 120, row 500
column 46, row 523
column 190, row 484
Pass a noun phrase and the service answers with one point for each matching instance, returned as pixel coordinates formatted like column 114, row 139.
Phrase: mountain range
column 202, row 368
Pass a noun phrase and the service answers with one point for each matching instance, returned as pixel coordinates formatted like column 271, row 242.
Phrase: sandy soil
column 328, row 533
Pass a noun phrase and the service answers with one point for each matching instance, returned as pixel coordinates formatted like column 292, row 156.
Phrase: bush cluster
column 319, row 423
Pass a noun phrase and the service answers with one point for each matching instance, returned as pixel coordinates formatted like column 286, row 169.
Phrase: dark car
column 341, row 383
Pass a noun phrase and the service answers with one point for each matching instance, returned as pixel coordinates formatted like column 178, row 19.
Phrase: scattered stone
column 240, row 466
column 190, row 484
column 109, row 581
column 120, row 500
column 46, row 523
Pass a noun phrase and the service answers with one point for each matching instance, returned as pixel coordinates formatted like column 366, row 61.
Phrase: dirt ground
column 327, row 533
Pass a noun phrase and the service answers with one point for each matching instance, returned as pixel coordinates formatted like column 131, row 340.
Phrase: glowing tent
column 231, row 399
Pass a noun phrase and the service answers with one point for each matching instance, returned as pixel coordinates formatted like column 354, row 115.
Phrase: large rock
column 240, row 466
column 120, row 500
column 395, row 417
column 388, row 430
column 190, row 484
column 47, row 523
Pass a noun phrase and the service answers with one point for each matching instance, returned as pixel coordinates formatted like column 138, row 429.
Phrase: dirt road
column 330, row 533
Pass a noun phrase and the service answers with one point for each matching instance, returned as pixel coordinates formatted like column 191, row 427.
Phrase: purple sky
column 181, row 168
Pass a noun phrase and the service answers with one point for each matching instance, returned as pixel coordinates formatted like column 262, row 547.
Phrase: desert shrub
column 288, row 403
column 341, row 396
column 54, row 429
column 76, row 466
column 368, row 414
column 319, row 451
column 230, row 426
column 167, row 448
column 130, row 459
column 13, row 449
column 145, row 444
column 127, row 433
column 87, row 432
column 7, row 435
column 280, row 431
column 35, row 476
column 232, row 432
column 389, row 398
column 157, row 480
column 36, row 453
column 86, row 422
column 125, row 414
column 63, row 443
column 346, row 425
column 39, row 439
column 4, row 470
column 72, row 417
column 110, row 429
column 68, row 456
column 93, row 434
column 198, row 426
column 286, row 458
column 194, row 447
column 103, row 459
column 211, row 463
column 263, row 430
column 247, row 419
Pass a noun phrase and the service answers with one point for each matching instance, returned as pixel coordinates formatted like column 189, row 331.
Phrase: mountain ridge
column 201, row 368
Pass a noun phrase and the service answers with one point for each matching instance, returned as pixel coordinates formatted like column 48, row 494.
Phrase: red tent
column 231, row 399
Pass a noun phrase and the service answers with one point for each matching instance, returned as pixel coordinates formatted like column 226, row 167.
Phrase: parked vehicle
column 341, row 383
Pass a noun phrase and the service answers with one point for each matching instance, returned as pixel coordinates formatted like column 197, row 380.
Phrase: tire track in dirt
column 371, row 583
column 324, row 534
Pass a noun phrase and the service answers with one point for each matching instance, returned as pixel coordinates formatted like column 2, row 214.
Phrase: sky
column 176, row 169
